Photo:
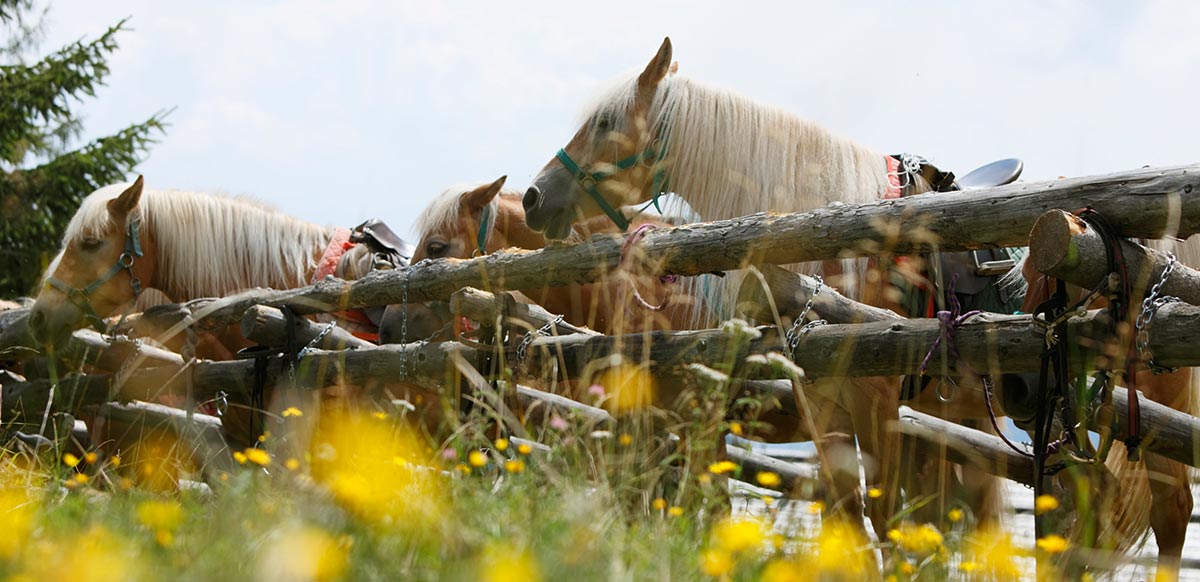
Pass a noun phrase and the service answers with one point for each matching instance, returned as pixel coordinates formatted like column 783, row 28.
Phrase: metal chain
column 531, row 335
column 793, row 334
column 1150, row 306
column 404, row 325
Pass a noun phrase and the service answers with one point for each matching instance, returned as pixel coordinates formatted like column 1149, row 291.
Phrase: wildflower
column 476, row 459
column 739, row 535
column 716, row 563
column 558, row 423
column 907, row 568
column 303, row 553
column 91, row 457
column 628, row 387
column 706, row 373
column 596, row 390
column 16, row 521
column 95, row 554
column 840, row 553
column 502, row 563
column 501, row 445
column 262, row 438
column 240, row 457
column 968, row 566
column 722, row 467
column 921, row 540
column 161, row 517
column 954, row 515
column 674, row 511
column 816, row 507
column 735, row 428
column 768, row 500
column 1053, row 544
column 70, row 460
column 461, row 468
column 874, row 493
column 781, row 570
column 625, row 439
column 524, row 448
column 993, row 553
column 380, row 415
column 768, row 479
column 258, row 457
column 115, row 461
column 658, row 504
column 292, row 464
column 292, row 411
column 514, row 466
column 80, row 479
column 1044, row 504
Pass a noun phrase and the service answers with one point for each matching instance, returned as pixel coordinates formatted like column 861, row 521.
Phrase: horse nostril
column 533, row 198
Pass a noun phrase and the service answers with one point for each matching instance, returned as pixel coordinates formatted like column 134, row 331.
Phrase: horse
column 470, row 220
column 1155, row 493
column 727, row 156
column 126, row 239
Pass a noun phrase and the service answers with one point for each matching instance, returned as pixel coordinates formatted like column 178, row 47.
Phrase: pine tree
column 43, row 178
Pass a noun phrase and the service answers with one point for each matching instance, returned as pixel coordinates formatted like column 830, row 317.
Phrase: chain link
column 404, row 326
column 531, row 335
column 798, row 326
column 1150, row 306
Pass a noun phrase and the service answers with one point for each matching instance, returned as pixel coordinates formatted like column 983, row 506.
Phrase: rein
column 80, row 297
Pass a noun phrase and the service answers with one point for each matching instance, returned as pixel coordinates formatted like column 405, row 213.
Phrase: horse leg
column 874, row 410
column 1171, row 510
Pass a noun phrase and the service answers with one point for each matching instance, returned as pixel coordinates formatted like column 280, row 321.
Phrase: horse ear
column 128, row 200
column 482, row 196
column 657, row 69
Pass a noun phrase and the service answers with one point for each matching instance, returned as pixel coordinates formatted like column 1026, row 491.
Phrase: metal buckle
column 125, row 261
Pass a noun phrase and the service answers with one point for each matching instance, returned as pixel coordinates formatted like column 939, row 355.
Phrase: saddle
column 386, row 246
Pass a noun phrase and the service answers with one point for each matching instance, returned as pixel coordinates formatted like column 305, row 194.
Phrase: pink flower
column 596, row 390
column 557, row 423
column 449, row 454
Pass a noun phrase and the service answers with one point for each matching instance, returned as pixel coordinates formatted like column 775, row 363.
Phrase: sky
column 340, row 111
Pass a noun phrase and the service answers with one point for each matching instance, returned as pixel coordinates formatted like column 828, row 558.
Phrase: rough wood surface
column 791, row 292
column 1166, row 432
column 968, row 446
column 1065, row 247
column 202, row 433
column 1146, row 203
column 483, row 306
column 268, row 326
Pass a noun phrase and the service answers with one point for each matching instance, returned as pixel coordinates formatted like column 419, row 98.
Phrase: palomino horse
column 1155, row 493
column 481, row 219
column 728, row 156
column 125, row 238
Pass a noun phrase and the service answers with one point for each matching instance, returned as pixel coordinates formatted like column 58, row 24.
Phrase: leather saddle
column 390, row 251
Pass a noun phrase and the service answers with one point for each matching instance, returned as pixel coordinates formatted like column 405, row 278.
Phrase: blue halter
column 590, row 180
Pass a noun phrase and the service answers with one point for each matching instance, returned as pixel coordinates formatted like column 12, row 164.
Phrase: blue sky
column 338, row 111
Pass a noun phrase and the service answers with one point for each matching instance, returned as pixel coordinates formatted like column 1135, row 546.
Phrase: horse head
column 616, row 158
column 462, row 223
column 105, row 258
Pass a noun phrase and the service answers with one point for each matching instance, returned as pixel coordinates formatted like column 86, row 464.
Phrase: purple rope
column 949, row 322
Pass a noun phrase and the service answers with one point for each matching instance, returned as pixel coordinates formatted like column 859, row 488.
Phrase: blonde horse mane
column 211, row 245
column 442, row 214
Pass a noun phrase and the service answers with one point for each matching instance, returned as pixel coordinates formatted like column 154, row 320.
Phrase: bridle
column 655, row 152
column 80, row 297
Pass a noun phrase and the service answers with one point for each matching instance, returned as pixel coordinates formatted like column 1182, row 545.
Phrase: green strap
column 589, row 182
column 485, row 227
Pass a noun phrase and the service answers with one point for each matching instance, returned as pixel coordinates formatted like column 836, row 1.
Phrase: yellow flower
column 303, row 553
column 816, row 507
column 627, row 388
column 721, row 467
column 968, row 566
column 258, row 457
column 841, row 552
column 768, row 500
column 240, row 457
column 716, row 563
column 292, row 411
column 768, row 479
column 739, row 535
column 502, row 445
column 503, row 563
column 70, row 460
column 874, row 493
column 115, row 461
column 675, row 511
column 993, row 553
column 292, row 464
column 625, row 439
column 461, row 468
column 524, row 449
column 954, row 515
column 1044, row 504
column 16, row 520
column 380, row 415
column 780, row 570
column 158, row 514
column 93, row 555
column 262, row 438
column 735, row 428
column 91, row 457
column 81, row 479
column 921, row 540
column 907, row 568
column 514, row 466
column 1053, row 544
column 476, row 459
column 658, row 504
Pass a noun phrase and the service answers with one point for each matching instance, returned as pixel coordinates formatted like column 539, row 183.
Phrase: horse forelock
column 444, row 212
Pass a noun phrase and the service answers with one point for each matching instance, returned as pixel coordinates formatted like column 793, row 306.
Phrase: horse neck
column 211, row 246
column 729, row 156
column 510, row 224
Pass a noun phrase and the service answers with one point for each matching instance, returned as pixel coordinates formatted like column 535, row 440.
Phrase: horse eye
column 435, row 248
column 91, row 244
column 603, row 124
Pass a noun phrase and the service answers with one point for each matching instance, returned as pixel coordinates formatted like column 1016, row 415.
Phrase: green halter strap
column 80, row 297
column 590, row 180
column 485, row 226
